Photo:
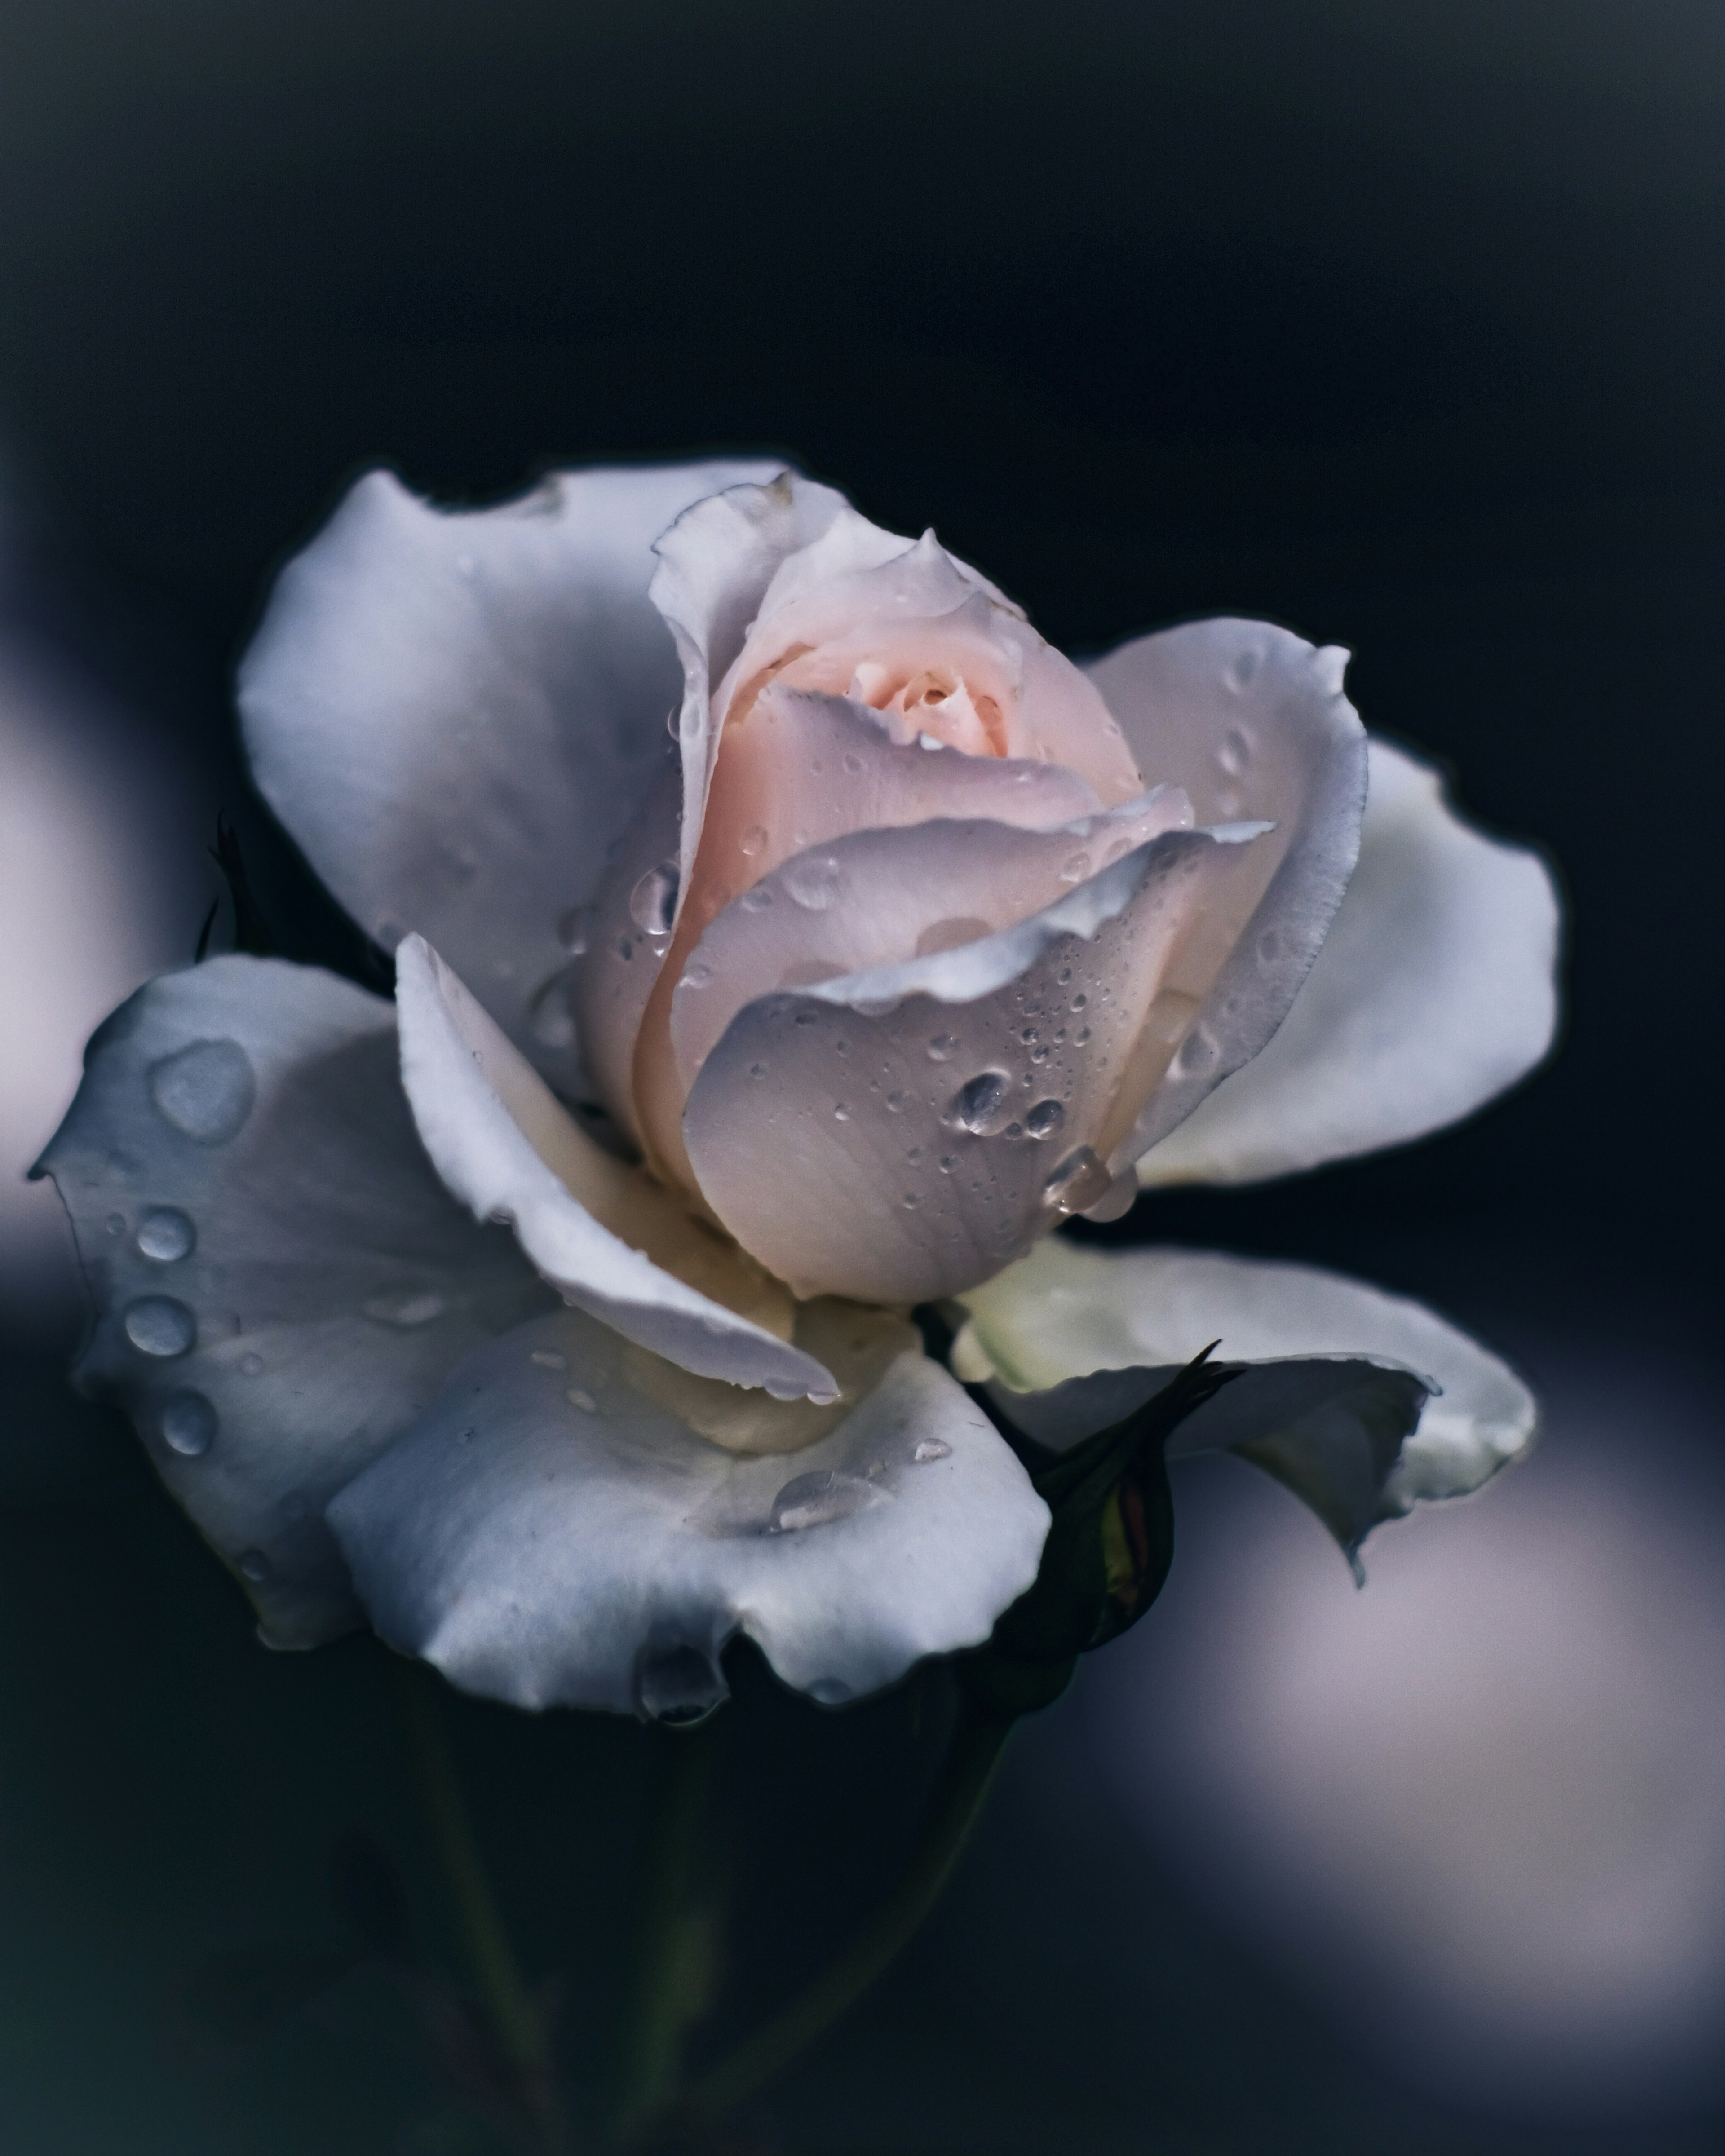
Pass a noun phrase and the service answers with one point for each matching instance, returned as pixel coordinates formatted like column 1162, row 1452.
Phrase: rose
column 920, row 940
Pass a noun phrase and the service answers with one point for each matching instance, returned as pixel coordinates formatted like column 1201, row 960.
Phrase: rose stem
column 975, row 1752
column 515, row 2019
column 677, row 1898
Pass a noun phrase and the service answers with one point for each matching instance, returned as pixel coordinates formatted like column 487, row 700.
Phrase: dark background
column 1400, row 325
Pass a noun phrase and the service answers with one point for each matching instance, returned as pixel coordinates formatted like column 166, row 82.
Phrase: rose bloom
column 555, row 1317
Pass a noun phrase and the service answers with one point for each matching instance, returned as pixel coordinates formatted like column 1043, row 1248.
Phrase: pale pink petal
column 899, row 1133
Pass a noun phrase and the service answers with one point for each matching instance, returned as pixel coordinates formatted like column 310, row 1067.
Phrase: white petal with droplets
column 508, row 1149
column 557, row 1537
column 454, row 713
column 1435, row 990
column 281, row 1282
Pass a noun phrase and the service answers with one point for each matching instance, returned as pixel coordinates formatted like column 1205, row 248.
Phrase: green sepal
column 1108, row 1550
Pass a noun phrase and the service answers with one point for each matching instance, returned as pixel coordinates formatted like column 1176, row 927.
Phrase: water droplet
column 931, row 1448
column 1075, row 868
column 914, row 1155
column 116, row 1224
column 251, row 1365
column 404, row 1309
column 585, row 1401
column 548, row 1358
column 255, row 1565
column 952, row 934
column 1063, row 975
column 157, row 1325
column 910, row 1200
column 574, row 927
column 697, row 976
column 898, row 1102
column 1079, row 1180
column 757, row 1070
column 753, row 841
column 1236, row 752
column 757, row 898
column 550, row 1015
column 653, row 903
column 625, row 947
column 1014, row 1131
column 679, row 1685
column 1197, row 1053
column 205, row 1090
column 943, row 1048
column 853, row 763
column 1044, row 1119
column 976, row 1105
column 945, row 1164
column 841, row 1111
column 1242, row 670
column 814, row 884
column 1080, row 1036
column 812, row 1501
column 187, row 1423
column 166, row 1235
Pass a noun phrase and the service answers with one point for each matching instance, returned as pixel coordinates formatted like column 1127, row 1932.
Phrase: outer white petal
column 1064, row 1311
column 550, row 1534
column 899, row 1133
column 1436, row 989
column 454, row 713
column 1248, row 722
column 510, row 1151
column 281, row 1282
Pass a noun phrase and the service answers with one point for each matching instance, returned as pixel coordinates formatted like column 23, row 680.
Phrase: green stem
column 969, row 1770
column 514, row 2018
column 678, row 1892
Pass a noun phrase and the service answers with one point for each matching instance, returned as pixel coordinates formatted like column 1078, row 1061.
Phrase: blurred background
column 1400, row 324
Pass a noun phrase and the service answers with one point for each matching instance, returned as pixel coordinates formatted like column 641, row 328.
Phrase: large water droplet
column 1044, row 1119
column 679, row 1685
column 165, row 1235
column 979, row 1105
column 205, row 1090
column 814, row 884
column 187, row 1423
column 653, row 903
column 574, row 927
column 1079, row 1180
column 406, row 1309
column 157, row 1325
column 812, row 1501
column 550, row 1015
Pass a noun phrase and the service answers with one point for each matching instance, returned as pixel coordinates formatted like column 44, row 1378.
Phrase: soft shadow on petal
column 281, row 1282
column 456, row 712
column 902, row 1132
column 602, row 1232
column 1325, row 1431
column 1250, row 722
column 551, row 1534
column 1436, row 989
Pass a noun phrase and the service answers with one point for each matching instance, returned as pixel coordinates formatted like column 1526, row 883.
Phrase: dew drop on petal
column 116, row 1224
column 757, row 898
column 1044, row 1119
column 1242, row 670
column 251, row 1365
column 898, row 1102
column 841, row 1111
column 1236, row 752
column 753, row 841
column 550, row 1018
column 976, row 1105
column 187, row 1423
column 1074, row 869
column 205, row 1090
column 548, row 1358
column 697, row 976
column 678, row 1684
column 1079, row 1180
column 574, row 927
column 943, row 1048
column 931, row 1448
column 585, row 1401
column 813, row 1501
column 255, row 1565
column 1197, row 1053
column 813, row 885
column 653, row 903
column 853, row 763
column 166, row 1235
column 157, row 1325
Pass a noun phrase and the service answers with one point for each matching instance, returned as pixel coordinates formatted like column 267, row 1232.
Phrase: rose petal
column 892, row 1135
column 553, row 1536
column 1064, row 1311
column 1250, row 722
column 456, row 712
column 883, row 895
column 1435, row 990
column 281, row 1282
column 602, row 1232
